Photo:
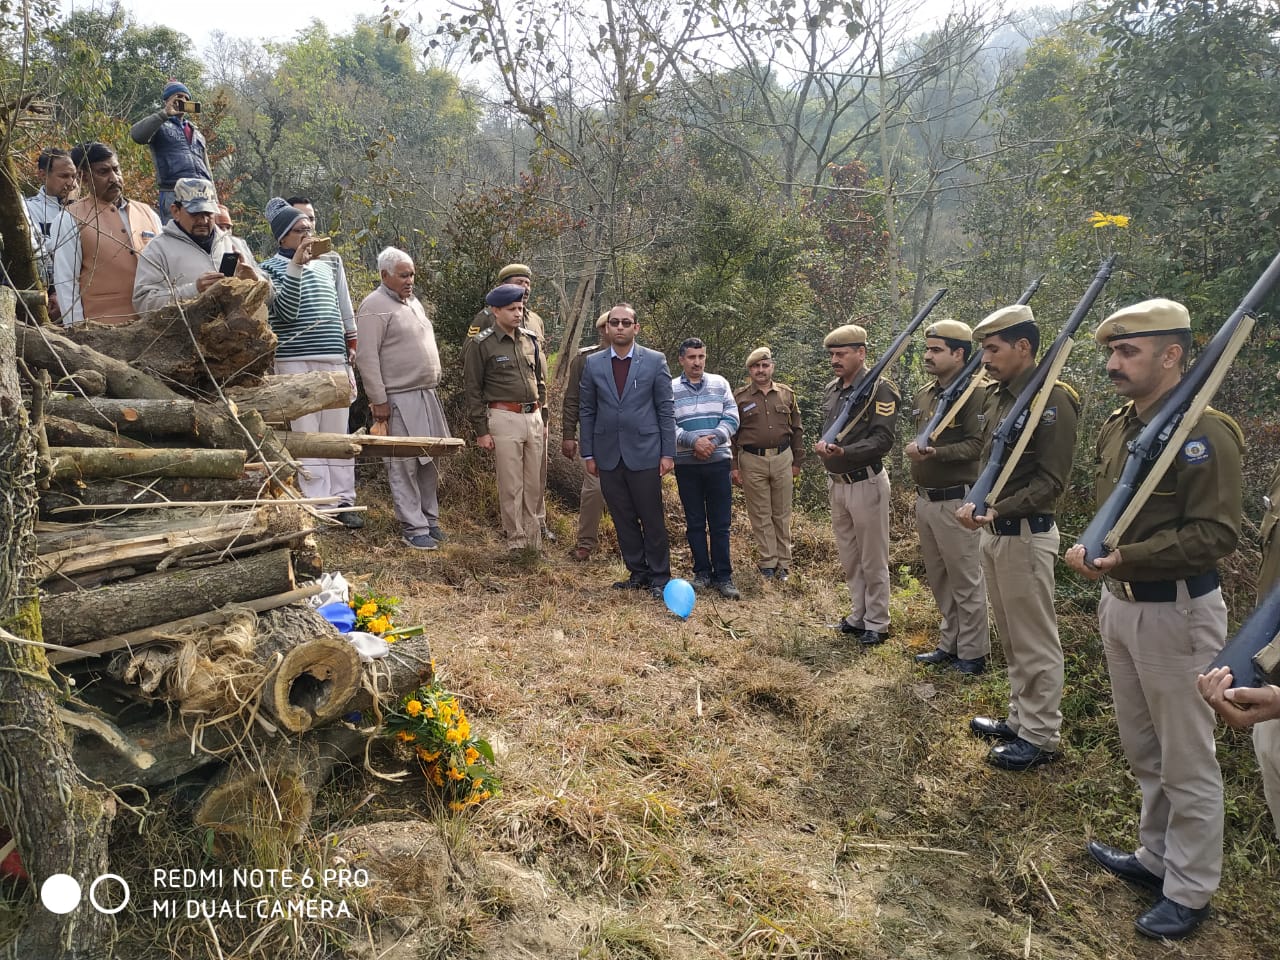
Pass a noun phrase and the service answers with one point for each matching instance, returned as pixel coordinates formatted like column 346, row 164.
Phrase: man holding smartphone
column 191, row 254
column 177, row 147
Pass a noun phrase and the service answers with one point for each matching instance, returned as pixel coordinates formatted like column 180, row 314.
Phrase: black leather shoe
column 1124, row 865
column 992, row 729
column 871, row 638
column 632, row 584
column 849, row 629
column 936, row 658
column 351, row 519
column 1018, row 755
column 971, row 667
column 1170, row 920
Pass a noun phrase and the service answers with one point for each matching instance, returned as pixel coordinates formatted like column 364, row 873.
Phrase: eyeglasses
column 621, row 323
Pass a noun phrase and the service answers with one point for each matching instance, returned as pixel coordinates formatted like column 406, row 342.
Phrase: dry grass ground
column 745, row 784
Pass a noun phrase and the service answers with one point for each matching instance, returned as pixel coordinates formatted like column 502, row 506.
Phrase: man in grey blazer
column 629, row 442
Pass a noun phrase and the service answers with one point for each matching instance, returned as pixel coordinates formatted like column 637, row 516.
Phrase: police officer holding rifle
column 1026, row 463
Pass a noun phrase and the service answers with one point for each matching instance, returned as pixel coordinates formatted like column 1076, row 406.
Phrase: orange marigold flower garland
column 457, row 764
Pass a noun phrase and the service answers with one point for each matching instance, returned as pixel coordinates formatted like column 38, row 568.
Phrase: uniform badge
column 885, row 409
column 750, row 406
column 1196, row 451
column 1050, row 415
column 915, row 414
column 501, row 358
column 472, row 330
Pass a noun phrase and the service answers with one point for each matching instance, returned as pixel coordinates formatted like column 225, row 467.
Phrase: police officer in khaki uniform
column 943, row 473
column 858, row 485
column 591, row 501
column 520, row 275
column 1162, row 618
column 1257, row 707
column 1019, row 543
column 768, row 453
column 505, row 387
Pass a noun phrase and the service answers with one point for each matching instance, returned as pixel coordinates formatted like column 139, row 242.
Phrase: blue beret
column 506, row 294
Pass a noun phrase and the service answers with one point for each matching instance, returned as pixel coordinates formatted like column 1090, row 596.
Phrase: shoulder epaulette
column 528, row 332
column 1118, row 412
column 481, row 335
column 831, row 383
column 886, row 382
column 1071, row 391
column 1229, row 421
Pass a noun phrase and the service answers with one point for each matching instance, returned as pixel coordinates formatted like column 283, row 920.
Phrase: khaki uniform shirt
column 872, row 437
column 483, row 320
column 573, row 393
column 1192, row 519
column 1269, row 574
column 768, row 420
column 498, row 366
column 957, row 449
column 1039, row 479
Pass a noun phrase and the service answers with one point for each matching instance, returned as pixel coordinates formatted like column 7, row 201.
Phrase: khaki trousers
column 1018, row 571
column 953, row 567
column 1154, row 652
column 766, row 487
column 519, row 442
column 1266, row 744
column 590, row 510
column 860, row 521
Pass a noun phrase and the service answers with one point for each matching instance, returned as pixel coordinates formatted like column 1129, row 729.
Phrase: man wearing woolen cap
column 1162, row 618
column 1019, row 543
column 943, row 471
column 178, row 149
column 858, row 485
column 505, row 386
column 767, row 455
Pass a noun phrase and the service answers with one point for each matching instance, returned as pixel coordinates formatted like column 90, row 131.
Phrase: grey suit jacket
column 635, row 430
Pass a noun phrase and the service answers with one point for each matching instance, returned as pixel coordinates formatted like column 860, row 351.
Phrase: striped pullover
column 704, row 408
column 305, row 314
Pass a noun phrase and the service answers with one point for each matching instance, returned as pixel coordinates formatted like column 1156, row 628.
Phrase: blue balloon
column 678, row 596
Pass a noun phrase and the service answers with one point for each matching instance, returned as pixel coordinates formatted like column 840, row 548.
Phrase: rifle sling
column 1189, row 420
column 1038, row 404
column 979, row 379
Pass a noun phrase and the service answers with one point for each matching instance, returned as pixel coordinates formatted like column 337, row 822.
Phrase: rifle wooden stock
column 1256, row 633
column 957, row 393
column 1000, row 462
column 1153, row 450
column 861, row 397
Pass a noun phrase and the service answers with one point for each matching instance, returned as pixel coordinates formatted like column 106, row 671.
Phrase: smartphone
column 321, row 245
column 229, row 263
column 188, row 106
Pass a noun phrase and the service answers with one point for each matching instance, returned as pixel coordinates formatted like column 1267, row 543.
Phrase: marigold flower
column 368, row 610
column 471, row 755
column 406, row 737
column 456, row 774
column 413, row 708
column 455, row 806
column 427, row 756
column 454, row 736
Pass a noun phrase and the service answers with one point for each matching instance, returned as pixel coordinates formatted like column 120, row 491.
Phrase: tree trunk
column 71, row 499
column 283, row 398
column 92, row 462
column 15, row 240
column 59, row 823
column 73, row 618
column 221, row 337
column 71, row 433
column 318, row 673
column 342, row 445
column 47, row 350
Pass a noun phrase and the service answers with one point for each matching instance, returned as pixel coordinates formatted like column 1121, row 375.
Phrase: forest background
column 747, row 172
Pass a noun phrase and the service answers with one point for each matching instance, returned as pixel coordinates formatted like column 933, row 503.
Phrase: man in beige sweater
column 400, row 366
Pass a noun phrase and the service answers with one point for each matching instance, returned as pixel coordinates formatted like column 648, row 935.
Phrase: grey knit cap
column 282, row 217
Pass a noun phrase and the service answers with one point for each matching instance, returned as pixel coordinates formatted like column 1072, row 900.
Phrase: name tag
column 750, row 406
column 501, row 358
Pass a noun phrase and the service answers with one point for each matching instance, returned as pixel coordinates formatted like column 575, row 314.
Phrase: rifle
column 1247, row 654
column 861, row 396
column 1153, row 450
column 956, row 393
column 1015, row 430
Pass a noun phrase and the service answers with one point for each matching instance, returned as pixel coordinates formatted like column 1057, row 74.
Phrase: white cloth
column 330, row 477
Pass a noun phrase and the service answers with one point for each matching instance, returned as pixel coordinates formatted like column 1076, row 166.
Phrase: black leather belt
column 1162, row 591
column 938, row 494
column 1012, row 526
column 857, row 476
column 513, row 407
column 766, row 451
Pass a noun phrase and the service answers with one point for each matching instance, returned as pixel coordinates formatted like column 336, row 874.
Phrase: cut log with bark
column 70, row 499
column 92, row 462
column 284, row 397
column 74, row 618
column 316, row 672
column 72, row 433
column 43, row 348
column 350, row 445
column 221, row 337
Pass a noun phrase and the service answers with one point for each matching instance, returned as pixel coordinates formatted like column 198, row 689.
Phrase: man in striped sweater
column 706, row 420
column 308, row 322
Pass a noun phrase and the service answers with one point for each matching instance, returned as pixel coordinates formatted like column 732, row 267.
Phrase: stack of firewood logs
column 171, row 546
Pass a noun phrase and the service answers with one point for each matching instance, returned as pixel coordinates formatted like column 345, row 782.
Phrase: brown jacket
column 109, row 255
